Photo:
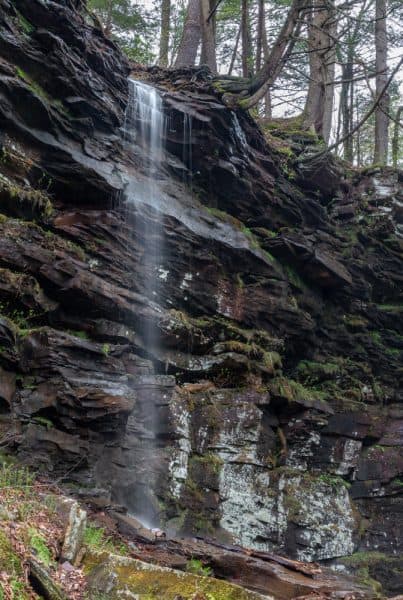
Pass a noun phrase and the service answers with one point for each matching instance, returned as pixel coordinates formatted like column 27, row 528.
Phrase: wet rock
column 268, row 413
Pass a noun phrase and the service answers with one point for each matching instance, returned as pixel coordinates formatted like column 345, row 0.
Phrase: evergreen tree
column 132, row 27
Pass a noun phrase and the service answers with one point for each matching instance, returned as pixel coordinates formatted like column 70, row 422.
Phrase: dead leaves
column 31, row 508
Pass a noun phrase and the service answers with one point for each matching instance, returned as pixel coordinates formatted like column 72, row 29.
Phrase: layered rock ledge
column 277, row 383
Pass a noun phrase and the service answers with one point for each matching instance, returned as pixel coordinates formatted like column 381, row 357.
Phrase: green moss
column 212, row 328
column 83, row 335
column 209, row 459
column 153, row 583
column 106, row 348
column 355, row 322
column 251, row 350
column 24, row 24
column 38, row 90
column 390, row 308
column 376, row 337
column 293, row 391
column 312, row 372
column 77, row 249
column 393, row 352
column 334, row 481
column 294, row 278
column 39, row 547
column 97, row 541
column 11, row 564
column 35, row 87
column 268, row 233
column 223, row 216
column 269, row 256
column 13, row 477
column 44, row 422
column 38, row 199
column 196, row 567
column 254, row 242
column 9, row 561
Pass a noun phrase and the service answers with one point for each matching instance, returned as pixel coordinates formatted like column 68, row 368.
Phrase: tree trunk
column 265, row 45
column 381, row 117
column 395, row 141
column 190, row 41
column 248, row 92
column 321, row 45
column 208, row 36
column 164, row 39
column 259, row 37
column 246, row 41
column 235, row 51
column 358, row 134
column 108, row 20
column 346, row 102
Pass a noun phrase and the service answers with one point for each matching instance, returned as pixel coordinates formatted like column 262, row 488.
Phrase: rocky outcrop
column 275, row 385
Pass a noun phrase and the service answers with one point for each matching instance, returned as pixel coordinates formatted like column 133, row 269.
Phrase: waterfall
column 146, row 202
column 145, row 126
column 144, row 136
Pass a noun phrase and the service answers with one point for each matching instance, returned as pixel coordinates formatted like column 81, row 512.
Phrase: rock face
column 276, row 387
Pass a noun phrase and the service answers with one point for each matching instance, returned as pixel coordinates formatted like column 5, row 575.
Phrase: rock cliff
column 276, row 385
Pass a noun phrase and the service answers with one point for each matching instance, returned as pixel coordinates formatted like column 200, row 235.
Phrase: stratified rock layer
column 276, row 386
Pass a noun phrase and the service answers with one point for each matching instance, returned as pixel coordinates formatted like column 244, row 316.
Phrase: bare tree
column 262, row 51
column 322, row 55
column 235, row 50
column 381, row 116
column 190, row 40
column 395, row 141
column 208, row 35
column 246, row 40
column 249, row 91
column 164, row 38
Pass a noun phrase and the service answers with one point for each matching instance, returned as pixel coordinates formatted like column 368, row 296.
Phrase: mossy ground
column 154, row 583
column 364, row 566
column 30, row 528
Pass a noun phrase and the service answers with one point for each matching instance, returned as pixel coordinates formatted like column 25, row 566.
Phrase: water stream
column 147, row 203
column 144, row 135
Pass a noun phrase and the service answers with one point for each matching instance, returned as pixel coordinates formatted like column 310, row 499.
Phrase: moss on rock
column 118, row 575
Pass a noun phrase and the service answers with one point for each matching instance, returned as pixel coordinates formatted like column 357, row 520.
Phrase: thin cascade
column 238, row 132
column 144, row 134
column 145, row 204
column 187, row 157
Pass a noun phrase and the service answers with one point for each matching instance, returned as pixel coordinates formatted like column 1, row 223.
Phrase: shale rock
column 269, row 412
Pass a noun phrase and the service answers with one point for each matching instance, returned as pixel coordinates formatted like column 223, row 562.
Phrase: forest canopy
column 334, row 66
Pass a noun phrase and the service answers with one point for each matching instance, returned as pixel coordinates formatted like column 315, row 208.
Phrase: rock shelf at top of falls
column 276, row 378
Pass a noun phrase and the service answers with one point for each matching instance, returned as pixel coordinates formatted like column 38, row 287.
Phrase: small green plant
column 196, row 567
column 334, row 481
column 106, row 348
column 44, row 422
column 25, row 25
column 10, row 476
column 96, row 539
column 38, row 544
column 83, row 335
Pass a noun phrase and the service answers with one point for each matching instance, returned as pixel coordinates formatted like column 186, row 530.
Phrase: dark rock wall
column 277, row 384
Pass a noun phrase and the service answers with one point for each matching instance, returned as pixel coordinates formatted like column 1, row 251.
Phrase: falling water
column 144, row 126
column 146, row 204
column 144, row 134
